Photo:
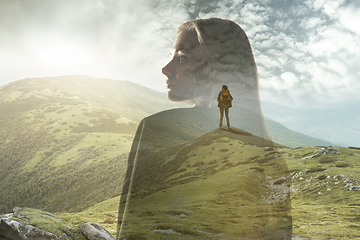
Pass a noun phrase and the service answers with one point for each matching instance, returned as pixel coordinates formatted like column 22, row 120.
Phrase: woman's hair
column 224, row 44
column 227, row 53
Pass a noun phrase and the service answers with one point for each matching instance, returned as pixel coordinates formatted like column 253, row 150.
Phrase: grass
column 332, row 214
column 327, row 221
column 324, row 209
column 49, row 156
column 311, row 221
column 104, row 213
column 100, row 146
column 210, row 193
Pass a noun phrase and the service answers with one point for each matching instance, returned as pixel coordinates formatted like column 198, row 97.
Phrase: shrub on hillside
column 316, row 169
column 327, row 160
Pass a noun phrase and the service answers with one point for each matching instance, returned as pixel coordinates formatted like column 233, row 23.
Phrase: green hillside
column 322, row 205
column 64, row 141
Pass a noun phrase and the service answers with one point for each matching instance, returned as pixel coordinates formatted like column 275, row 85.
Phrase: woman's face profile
column 184, row 66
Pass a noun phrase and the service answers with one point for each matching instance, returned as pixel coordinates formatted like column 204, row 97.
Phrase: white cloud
column 311, row 22
column 290, row 80
column 338, row 67
column 258, row 28
column 283, row 24
column 323, row 79
column 350, row 17
column 331, row 7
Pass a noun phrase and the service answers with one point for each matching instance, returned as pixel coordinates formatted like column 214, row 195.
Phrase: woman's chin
column 173, row 97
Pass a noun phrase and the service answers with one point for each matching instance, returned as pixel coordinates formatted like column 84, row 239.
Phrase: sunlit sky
column 307, row 51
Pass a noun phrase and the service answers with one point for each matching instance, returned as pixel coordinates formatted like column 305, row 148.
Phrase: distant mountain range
column 66, row 140
column 337, row 123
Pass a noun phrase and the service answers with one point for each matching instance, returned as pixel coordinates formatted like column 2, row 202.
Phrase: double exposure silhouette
column 188, row 179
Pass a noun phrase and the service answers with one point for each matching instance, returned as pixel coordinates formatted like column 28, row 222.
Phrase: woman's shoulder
column 184, row 122
column 169, row 112
column 179, row 114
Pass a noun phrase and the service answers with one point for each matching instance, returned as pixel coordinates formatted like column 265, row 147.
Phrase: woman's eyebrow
column 183, row 50
column 186, row 48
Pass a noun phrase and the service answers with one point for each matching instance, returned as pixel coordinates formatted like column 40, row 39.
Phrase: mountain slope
column 64, row 141
column 283, row 135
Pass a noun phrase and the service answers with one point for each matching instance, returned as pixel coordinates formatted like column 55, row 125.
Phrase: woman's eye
column 182, row 58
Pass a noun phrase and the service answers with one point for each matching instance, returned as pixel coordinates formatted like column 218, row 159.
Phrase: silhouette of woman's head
column 207, row 54
column 184, row 67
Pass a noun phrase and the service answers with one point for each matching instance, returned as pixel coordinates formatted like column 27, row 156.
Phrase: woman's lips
column 169, row 85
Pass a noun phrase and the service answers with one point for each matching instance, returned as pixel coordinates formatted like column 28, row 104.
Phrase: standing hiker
column 224, row 103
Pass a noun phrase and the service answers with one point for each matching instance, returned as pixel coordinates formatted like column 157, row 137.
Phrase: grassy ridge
column 322, row 209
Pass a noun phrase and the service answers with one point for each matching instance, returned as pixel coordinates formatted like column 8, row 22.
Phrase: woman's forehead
column 186, row 41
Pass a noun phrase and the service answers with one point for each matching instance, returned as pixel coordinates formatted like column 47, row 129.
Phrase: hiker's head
column 216, row 51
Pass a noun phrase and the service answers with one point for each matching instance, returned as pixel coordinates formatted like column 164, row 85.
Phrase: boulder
column 95, row 231
column 7, row 233
column 13, row 230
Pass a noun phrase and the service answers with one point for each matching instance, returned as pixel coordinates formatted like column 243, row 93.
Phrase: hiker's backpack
column 225, row 98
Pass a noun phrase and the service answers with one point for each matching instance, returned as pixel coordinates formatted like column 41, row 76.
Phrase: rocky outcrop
column 95, row 231
column 35, row 224
column 14, row 230
column 323, row 152
column 351, row 184
column 6, row 232
column 19, row 225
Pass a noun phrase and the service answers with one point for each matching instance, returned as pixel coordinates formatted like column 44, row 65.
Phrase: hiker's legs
column 221, row 115
column 227, row 116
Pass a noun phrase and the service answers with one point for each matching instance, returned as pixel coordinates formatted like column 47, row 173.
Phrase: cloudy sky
column 307, row 51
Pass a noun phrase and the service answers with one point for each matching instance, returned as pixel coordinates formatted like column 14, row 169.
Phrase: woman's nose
column 168, row 69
